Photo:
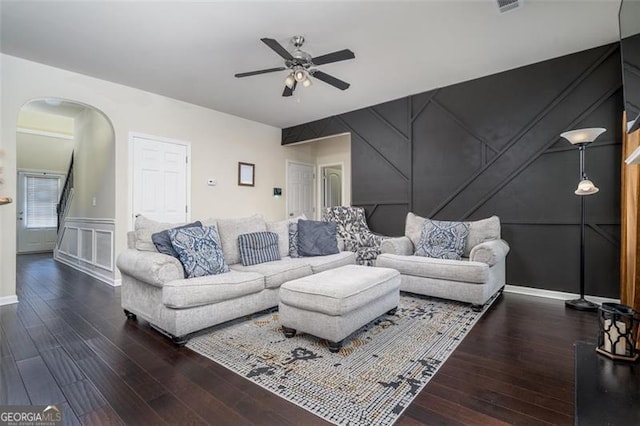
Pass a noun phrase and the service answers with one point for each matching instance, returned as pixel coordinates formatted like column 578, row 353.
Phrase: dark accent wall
column 492, row 146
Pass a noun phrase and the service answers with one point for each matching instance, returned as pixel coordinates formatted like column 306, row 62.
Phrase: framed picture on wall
column 246, row 174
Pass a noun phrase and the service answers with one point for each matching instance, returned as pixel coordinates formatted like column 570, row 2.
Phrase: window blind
column 42, row 198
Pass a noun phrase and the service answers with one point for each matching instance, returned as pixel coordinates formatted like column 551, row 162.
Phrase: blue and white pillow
column 442, row 239
column 199, row 250
column 293, row 239
column 258, row 247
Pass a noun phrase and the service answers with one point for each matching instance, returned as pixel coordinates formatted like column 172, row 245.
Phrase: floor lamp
column 581, row 138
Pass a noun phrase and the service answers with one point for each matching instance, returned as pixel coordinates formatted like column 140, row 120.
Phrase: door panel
column 160, row 180
column 36, row 209
column 300, row 190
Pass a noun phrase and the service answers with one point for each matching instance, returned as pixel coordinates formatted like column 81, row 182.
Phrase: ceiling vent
column 507, row 5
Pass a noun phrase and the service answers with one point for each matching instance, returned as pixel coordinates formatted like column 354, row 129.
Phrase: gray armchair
column 474, row 279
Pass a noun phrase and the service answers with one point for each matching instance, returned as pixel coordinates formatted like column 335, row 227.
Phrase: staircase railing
column 66, row 192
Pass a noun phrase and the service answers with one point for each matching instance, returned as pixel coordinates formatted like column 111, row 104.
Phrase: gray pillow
column 317, row 238
column 162, row 241
column 442, row 239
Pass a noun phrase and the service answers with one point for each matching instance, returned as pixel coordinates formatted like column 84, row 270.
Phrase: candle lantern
column 618, row 332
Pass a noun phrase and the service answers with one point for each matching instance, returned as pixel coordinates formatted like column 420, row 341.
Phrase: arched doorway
column 65, row 203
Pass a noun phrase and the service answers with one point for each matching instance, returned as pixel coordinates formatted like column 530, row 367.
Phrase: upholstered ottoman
column 335, row 303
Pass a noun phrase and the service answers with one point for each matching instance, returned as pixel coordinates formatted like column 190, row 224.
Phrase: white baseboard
column 117, row 283
column 8, row 300
column 87, row 271
column 550, row 294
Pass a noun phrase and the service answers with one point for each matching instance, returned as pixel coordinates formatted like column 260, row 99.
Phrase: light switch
column 93, row 201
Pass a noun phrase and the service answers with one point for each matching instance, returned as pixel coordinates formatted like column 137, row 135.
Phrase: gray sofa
column 474, row 279
column 154, row 287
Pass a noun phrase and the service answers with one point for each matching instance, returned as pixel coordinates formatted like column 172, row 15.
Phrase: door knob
column 290, row 214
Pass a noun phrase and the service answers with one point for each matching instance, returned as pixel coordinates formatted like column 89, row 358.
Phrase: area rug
column 378, row 372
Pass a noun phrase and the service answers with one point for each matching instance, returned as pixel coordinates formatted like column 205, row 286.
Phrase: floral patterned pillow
column 199, row 250
column 293, row 239
column 442, row 239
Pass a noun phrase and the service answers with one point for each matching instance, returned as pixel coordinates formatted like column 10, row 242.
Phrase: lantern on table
column 618, row 334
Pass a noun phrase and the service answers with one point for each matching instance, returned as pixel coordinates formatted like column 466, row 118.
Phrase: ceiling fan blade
column 329, row 79
column 250, row 73
column 277, row 47
column 288, row 91
column 340, row 55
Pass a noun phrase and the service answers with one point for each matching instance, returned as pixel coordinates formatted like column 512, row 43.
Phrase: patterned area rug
column 378, row 372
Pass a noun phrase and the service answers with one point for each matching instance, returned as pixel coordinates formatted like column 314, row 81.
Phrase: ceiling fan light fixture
column 306, row 82
column 289, row 81
column 300, row 75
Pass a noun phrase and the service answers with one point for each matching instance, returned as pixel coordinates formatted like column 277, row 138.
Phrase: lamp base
column 581, row 304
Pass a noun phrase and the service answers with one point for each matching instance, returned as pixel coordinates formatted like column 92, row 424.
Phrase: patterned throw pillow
column 293, row 239
column 163, row 243
column 258, row 247
column 199, row 250
column 442, row 239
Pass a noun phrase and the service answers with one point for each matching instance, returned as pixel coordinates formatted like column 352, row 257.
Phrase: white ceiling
column 191, row 50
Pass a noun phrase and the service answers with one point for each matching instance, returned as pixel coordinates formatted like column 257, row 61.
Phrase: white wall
column 218, row 140
column 94, row 167
column 38, row 152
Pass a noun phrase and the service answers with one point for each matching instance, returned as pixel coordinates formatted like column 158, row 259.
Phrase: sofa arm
column 489, row 252
column 152, row 268
column 401, row 246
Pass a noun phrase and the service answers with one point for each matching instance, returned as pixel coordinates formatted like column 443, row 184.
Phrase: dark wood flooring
column 67, row 342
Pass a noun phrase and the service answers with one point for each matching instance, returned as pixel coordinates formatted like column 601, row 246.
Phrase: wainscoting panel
column 88, row 245
column 492, row 146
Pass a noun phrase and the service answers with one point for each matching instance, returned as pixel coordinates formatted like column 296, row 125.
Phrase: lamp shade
column 300, row 75
column 586, row 187
column 289, row 81
column 579, row 136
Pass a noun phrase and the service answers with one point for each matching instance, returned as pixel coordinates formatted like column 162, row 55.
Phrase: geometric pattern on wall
column 492, row 146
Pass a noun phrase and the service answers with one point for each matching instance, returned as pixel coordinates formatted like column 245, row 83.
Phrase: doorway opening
column 65, row 158
column 331, row 183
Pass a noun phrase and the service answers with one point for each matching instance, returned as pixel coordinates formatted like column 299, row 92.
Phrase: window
column 41, row 201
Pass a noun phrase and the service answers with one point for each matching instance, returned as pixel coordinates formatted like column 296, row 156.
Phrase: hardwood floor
column 68, row 342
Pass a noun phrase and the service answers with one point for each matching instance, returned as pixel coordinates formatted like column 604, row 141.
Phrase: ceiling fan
column 300, row 64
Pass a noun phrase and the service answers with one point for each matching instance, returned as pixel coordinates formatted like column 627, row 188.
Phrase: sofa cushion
column 281, row 228
column 413, row 228
column 481, row 231
column 199, row 250
column 258, row 247
column 278, row 272
column 443, row 269
column 162, row 241
column 339, row 291
column 187, row 293
column 144, row 228
column 230, row 229
column 323, row 263
column 317, row 238
column 442, row 240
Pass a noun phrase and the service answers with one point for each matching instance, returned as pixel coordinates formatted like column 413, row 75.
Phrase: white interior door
column 38, row 195
column 331, row 186
column 160, row 179
column 300, row 190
